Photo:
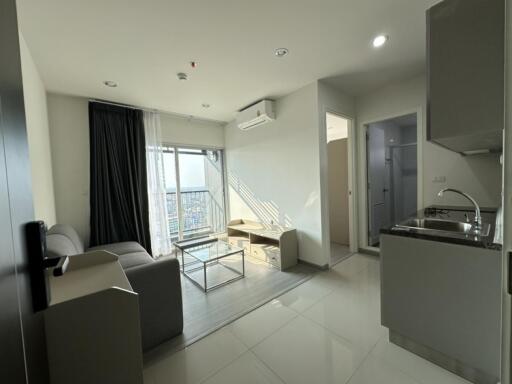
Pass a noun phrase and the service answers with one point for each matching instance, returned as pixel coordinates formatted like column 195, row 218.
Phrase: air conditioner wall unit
column 256, row 114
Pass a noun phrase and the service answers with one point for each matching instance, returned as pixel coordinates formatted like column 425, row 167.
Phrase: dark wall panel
column 23, row 347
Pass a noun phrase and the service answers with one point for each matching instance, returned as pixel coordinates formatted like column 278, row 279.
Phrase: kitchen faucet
column 478, row 217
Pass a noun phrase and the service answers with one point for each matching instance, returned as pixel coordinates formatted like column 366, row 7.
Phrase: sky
column 191, row 171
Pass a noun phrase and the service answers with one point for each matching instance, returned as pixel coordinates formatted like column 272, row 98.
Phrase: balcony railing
column 202, row 214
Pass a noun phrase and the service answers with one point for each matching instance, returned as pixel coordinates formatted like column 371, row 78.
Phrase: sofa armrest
column 161, row 311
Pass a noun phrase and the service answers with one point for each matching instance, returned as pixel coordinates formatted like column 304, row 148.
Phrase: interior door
column 22, row 339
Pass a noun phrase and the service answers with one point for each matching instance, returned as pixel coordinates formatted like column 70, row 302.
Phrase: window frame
column 177, row 149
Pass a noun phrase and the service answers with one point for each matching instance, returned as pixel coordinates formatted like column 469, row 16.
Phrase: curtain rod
column 179, row 115
column 122, row 105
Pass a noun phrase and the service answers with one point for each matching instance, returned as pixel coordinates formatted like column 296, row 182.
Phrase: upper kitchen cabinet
column 466, row 60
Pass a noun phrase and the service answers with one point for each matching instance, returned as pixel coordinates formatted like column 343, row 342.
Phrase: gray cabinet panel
column 446, row 297
column 466, row 58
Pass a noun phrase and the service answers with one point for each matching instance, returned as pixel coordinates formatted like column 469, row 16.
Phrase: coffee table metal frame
column 187, row 246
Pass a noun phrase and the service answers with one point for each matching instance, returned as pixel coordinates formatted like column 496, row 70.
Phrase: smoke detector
column 110, row 83
column 281, row 52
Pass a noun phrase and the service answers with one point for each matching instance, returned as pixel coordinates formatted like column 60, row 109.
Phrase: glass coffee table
column 211, row 263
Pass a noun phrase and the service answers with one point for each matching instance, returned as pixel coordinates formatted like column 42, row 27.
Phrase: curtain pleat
column 119, row 200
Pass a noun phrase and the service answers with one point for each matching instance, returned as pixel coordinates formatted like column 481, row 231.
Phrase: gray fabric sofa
column 157, row 282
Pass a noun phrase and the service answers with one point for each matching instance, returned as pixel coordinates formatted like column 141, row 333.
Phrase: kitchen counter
column 453, row 213
column 442, row 301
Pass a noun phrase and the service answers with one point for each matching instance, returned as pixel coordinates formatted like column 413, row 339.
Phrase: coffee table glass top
column 213, row 251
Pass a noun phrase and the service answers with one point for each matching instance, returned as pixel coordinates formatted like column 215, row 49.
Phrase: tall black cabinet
column 22, row 340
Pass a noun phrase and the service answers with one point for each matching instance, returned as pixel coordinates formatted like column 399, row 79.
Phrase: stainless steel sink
column 440, row 225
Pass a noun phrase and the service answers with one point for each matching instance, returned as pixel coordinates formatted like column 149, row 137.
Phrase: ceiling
column 142, row 45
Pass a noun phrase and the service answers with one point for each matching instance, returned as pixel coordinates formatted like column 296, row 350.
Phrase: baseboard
column 316, row 266
column 368, row 252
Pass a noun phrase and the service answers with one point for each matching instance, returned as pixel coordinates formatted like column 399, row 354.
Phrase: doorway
column 392, row 173
column 338, row 132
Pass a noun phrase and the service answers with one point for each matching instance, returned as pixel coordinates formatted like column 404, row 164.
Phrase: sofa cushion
column 130, row 253
column 120, row 248
column 62, row 240
column 134, row 259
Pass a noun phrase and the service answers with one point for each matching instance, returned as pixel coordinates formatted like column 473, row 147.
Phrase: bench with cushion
column 157, row 282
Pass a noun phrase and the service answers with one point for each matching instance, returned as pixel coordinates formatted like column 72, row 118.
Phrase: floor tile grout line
column 383, row 361
column 223, row 367
column 329, row 332
column 342, row 337
column 312, row 304
column 235, row 360
column 239, row 316
column 344, row 258
column 215, row 371
column 306, row 318
column 331, row 290
column 327, row 329
column 270, row 334
column 398, row 368
column 364, row 360
column 370, row 349
column 296, row 315
column 270, row 368
column 250, row 349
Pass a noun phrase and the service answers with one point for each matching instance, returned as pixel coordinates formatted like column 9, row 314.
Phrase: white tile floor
column 339, row 252
column 325, row 331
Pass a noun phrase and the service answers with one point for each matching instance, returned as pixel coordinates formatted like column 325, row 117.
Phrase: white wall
column 69, row 131
column 180, row 130
column 38, row 138
column 273, row 171
column 69, row 128
column 480, row 176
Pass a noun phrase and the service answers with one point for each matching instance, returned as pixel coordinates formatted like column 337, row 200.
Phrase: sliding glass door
column 195, row 192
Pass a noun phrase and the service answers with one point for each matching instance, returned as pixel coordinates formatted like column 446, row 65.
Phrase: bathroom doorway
column 392, row 173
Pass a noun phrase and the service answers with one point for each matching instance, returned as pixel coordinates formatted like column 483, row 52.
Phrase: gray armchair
column 157, row 282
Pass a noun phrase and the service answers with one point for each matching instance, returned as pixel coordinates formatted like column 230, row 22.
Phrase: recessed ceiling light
column 380, row 40
column 182, row 76
column 280, row 52
column 205, row 105
column 110, row 83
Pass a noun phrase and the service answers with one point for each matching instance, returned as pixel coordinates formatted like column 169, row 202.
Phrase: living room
column 176, row 172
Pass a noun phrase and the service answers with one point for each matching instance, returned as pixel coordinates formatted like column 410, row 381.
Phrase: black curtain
column 119, row 198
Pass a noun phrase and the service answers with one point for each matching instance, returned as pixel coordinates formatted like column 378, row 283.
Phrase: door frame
column 352, row 180
column 363, row 171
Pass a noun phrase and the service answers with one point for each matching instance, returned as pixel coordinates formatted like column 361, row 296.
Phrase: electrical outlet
column 439, row 179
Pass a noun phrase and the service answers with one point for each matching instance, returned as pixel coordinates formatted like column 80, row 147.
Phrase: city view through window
column 195, row 177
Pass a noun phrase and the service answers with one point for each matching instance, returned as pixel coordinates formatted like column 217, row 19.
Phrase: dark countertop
column 456, row 214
